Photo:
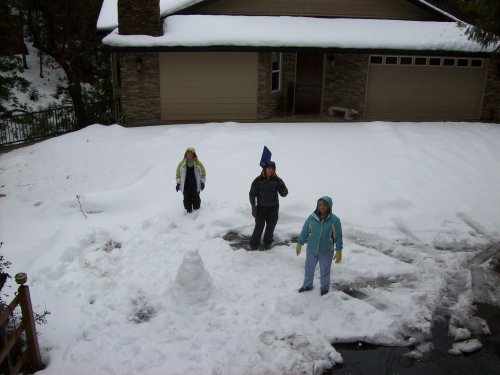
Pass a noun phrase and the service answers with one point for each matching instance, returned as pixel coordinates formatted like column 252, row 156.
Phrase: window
column 406, row 60
column 437, row 61
column 391, row 60
column 448, row 61
column 420, row 60
column 476, row 63
column 276, row 58
column 434, row 61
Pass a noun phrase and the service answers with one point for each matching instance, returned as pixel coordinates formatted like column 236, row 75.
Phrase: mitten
column 177, row 187
column 254, row 211
column 338, row 256
column 298, row 248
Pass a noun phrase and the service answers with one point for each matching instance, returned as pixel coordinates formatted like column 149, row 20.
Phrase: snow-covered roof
column 271, row 31
column 108, row 17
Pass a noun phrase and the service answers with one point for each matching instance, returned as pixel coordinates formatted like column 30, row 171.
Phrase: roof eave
column 224, row 48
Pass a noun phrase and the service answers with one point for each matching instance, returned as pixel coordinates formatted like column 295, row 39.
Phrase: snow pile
column 193, row 284
column 135, row 285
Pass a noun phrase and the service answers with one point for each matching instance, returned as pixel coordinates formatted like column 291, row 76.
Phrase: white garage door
column 208, row 85
column 425, row 88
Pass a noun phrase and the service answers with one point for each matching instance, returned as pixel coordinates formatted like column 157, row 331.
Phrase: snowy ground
column 134, row 285
column 43, row 89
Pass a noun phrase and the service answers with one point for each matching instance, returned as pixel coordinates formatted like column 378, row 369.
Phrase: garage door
column 208, row 86
column 425, row 88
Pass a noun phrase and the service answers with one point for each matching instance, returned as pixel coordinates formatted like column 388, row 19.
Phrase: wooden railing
column 28, row 358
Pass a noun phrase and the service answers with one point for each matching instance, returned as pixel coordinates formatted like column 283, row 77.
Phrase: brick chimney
column 139, row 17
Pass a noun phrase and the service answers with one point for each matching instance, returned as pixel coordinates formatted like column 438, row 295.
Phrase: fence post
column 33, row 351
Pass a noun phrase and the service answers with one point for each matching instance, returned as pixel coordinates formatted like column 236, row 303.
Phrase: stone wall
column 491, row 102
column 345, row 82
column 277, row 103
column 139, row 17
column 140, row 91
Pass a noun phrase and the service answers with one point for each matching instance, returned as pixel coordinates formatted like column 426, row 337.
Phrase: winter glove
column 298, row 248
column 338, row 256
column 254, row 212
column 282, row 190
column 202, row 186
column 177, row 187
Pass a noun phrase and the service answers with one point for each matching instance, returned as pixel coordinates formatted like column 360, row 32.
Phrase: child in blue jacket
column 323, row 233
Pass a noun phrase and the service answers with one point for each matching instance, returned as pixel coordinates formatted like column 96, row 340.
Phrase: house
column 255, row 60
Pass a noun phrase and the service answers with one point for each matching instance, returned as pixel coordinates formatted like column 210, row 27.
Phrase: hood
column 328, row 200
column 271, row 164
column 192, row 150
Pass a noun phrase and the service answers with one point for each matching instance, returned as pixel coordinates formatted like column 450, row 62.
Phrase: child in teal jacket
column 323, row 233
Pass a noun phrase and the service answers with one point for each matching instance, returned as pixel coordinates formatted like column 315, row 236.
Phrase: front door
column 308, row 82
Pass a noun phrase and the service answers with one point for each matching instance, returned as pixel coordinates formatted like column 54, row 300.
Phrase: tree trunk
column 40, row 55
column 75, row 93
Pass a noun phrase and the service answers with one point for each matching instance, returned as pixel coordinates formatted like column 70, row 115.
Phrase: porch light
column 138, row 65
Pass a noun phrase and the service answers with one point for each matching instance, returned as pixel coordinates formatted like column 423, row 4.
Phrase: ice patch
column 300, row 354
column 460, row 333
column 468, row 346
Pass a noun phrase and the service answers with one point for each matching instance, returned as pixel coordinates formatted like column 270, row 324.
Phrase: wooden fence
column 27, row 354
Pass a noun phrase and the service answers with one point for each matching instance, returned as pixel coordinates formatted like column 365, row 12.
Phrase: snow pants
column 192, row 199
column 325, row 265
column 268, row 217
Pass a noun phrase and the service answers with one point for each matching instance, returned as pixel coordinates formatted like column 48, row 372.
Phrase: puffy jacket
column 265, row 191
column 199, row 171
column 322, row 235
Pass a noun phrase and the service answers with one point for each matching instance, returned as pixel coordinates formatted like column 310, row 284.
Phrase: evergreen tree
column 66, row 31
column 481, row 19
column 485, row 27
column 10, row 64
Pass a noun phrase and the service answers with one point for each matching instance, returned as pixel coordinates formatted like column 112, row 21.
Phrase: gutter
column 223, row 48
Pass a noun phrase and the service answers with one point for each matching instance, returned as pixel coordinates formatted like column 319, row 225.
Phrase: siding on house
column 208, row 86
column 388, row 9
